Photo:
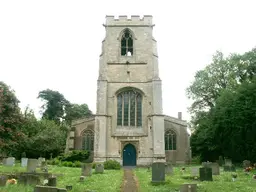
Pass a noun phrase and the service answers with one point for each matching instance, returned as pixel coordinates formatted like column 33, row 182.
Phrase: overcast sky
column 56, row 44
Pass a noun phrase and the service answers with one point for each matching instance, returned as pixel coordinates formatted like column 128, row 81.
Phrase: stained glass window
column 170, row 140
column 88, row 140
column 129, row 108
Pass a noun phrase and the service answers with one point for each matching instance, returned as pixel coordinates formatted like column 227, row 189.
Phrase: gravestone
column 188, row 188
column 215, row 169
column 32, row 164
column 52, row 181
column 10, row 161
column 39, row 162
column 48, row 189
column 3, row 179
column 99, row 168
column 158, row 172
column 86, row 169
column 228, row 168
column 29, row 179
column 228, row 162
column 24, row 162
column 220, row 161
column 205, row 174
column 246, row 163
column 168, row 169
column 4, row 161
column 206, row 164
column 195, row 171
column 82, row 178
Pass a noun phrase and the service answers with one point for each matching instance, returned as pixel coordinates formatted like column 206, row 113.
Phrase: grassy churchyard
column 111, row 180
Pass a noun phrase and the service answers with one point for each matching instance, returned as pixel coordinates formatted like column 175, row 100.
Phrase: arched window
column 129, row 108
column 170, row 140
column 127, row 43
column 88, row 140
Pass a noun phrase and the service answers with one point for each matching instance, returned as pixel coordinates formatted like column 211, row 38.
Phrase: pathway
column 130, row 183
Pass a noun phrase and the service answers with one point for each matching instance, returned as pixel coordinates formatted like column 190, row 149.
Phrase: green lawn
column 110, row 181
column 221, row 183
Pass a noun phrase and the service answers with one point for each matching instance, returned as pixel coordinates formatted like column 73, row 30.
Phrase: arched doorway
column 129, row 155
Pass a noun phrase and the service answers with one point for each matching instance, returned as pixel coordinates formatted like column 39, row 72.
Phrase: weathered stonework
column 140, row 72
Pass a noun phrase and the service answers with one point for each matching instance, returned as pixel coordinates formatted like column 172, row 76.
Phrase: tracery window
column 127, row 43
column 129, row 108
column 170, row 140
column 88, row 140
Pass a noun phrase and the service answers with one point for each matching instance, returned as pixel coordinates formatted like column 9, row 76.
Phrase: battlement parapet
column 125, row 20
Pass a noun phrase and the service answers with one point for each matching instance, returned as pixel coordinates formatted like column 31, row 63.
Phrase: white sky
column 56, row 44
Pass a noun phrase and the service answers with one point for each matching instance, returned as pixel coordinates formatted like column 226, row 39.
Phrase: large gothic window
column 129, row 108
column 88, row 140
column 170, row 140
column 127, row 43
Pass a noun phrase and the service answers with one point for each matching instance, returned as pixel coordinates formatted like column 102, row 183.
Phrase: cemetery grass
column 220, row 183
column 109, row 181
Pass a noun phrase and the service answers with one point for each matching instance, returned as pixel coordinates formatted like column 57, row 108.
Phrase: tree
column 221, row 107
column 54, row 105
column 10, row 120
column 76, row 111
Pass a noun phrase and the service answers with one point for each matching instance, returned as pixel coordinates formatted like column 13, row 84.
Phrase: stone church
column 129, row 125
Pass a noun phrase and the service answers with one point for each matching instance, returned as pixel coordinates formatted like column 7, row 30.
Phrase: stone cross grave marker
column 158, row 172
column 205, row 174
column 24, row 162
column 99, row 168
column 32, row 164
column 10, row 161
column 86, row 169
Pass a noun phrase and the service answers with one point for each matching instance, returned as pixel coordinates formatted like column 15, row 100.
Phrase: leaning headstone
column 158, row 172
column 195, row 171
column 205, row 174
column 99, row 168
column 188, row 188
column 168, row 169
column 86, row 169
column 246, row 163
column 52, row 181
column 3, row 179
column 32, row 164
column 215, row 169
column 10, row 161
column 24, row 162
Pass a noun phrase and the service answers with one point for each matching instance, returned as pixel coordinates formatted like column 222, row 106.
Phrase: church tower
column 129, row 122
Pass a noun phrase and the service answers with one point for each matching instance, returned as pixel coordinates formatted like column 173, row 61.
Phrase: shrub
column 112, row 164
column 77, row 164
column 76, row 155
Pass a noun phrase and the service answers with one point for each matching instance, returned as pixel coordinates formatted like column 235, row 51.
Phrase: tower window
column 129, row 109
column 170, row 140
column 127, row 43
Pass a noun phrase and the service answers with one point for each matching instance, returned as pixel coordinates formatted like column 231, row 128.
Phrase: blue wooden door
column 129, row 155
